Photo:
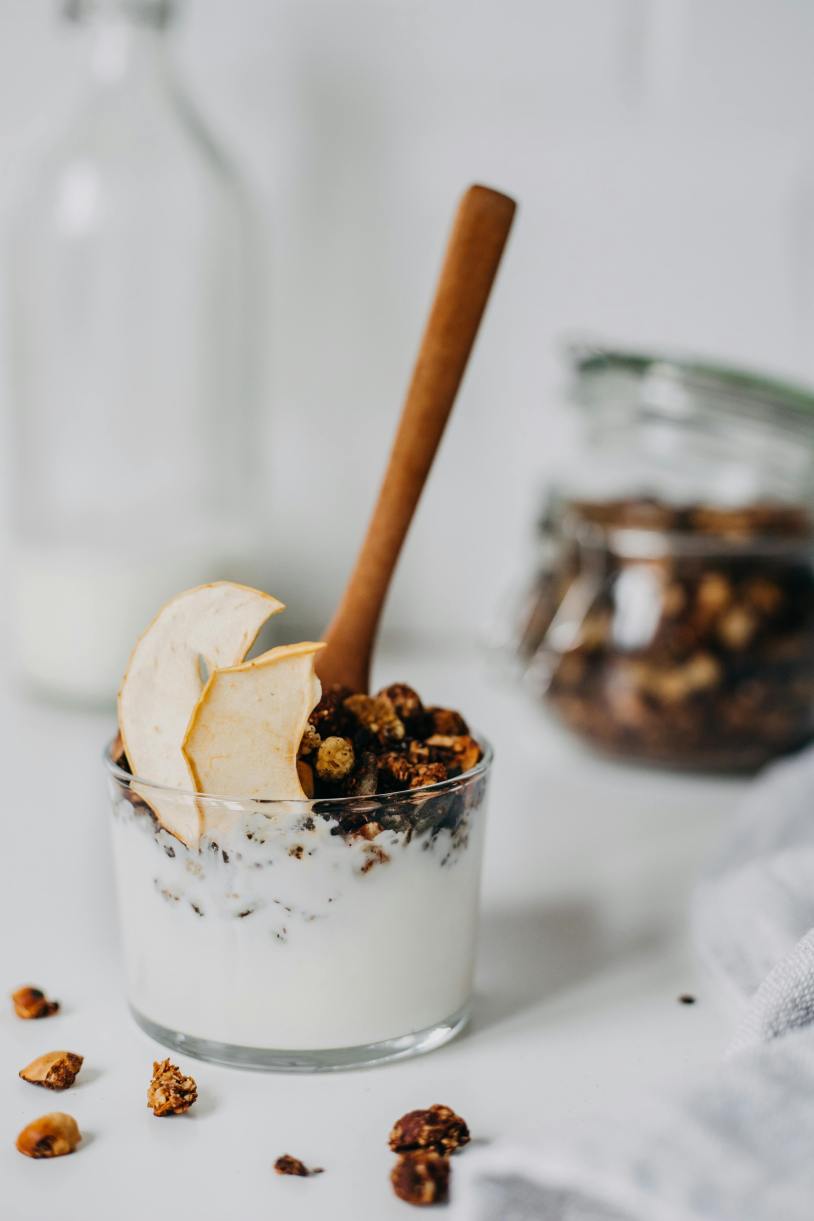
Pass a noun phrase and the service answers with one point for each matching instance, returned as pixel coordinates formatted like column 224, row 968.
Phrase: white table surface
column 584, row 950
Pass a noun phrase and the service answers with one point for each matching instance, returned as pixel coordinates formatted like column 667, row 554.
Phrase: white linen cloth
column 740, row 1147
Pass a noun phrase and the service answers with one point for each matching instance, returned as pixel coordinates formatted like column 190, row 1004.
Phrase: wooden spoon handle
column 473, row 255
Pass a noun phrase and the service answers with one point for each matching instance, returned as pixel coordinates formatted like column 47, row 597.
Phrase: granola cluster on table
column 357, row 745
column 696, row 640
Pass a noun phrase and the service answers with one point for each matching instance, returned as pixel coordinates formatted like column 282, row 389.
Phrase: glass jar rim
column 728, row 387
column 268, row 804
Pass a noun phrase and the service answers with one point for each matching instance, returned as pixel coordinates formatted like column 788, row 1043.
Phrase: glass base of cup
column 319, row 1060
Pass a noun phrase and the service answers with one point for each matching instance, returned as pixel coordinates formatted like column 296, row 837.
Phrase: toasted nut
column 445, row 721
column 376, row 714
column 51, row 1135
column 310, row 741
column 674, row 600
column 399, row 772
column 170, row 1092
column 421, row 1178
column 286, row 1164
column 335, row 759
column 56, row 1070
column 437, row 1128
column 765, row 596
column 330, row 715
column 406, row 702
column 459, row 751
column 737, row 627
column 427, row 773
column 30, row 1002
column 306, row 775
column 714, row 594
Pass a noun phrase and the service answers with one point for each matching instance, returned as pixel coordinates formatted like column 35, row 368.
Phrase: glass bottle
column 672, row 615
column 133, row 377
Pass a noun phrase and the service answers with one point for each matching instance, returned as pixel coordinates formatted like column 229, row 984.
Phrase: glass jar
column 133, row 375
column 672, row 615
column 301, row 935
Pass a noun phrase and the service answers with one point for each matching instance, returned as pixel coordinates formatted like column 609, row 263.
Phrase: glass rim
column 450, row 784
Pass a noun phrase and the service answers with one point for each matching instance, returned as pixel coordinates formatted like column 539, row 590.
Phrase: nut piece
column 56, row 1070
column 427, row 773
column 457, row 751
column 30, row 1002
column 330, row 717
column 310, row 741
column 170, row 1092
column 406, row 702
column 399, row 772
column 437, row 1128
column 286, row 1164
column 448, row 722
column 51, row 1135
column 421, row 1177
column 376, row 714
column 335, row 759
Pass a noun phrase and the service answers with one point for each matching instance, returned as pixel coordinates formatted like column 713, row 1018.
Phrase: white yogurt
column 279, row 935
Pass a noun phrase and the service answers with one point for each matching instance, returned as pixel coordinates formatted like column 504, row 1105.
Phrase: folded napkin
column 740, row 1147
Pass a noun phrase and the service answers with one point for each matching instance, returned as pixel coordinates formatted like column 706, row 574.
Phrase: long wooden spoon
column 470, row 265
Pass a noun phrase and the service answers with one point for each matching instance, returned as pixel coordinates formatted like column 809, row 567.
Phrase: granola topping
column 51, row 1135
column 30, row 1002
column 56, row 1070
column 170, row 1092
column 360, row 745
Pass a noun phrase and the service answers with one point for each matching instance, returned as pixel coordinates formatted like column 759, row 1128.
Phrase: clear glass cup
column 304, row 935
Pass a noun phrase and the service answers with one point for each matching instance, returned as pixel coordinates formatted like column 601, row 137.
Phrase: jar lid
column 674, row 385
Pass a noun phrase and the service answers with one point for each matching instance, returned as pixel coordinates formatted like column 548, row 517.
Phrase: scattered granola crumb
column 56, row 1070
column 421, row 1177
column 286, row 1164
column 30, row 1002
column 170, row 1092
column 438, row 1128
column 51, row 1135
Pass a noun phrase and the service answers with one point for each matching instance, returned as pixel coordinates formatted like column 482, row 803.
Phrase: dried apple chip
column 201, row 629
column 245, row 732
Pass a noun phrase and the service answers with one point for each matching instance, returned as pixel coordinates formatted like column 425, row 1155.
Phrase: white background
column 658, row 150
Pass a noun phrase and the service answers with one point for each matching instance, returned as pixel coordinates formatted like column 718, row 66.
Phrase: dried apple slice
column 245, row 732
column 201, row 629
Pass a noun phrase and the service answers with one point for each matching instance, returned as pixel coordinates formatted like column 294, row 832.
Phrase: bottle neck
column 127, row 39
